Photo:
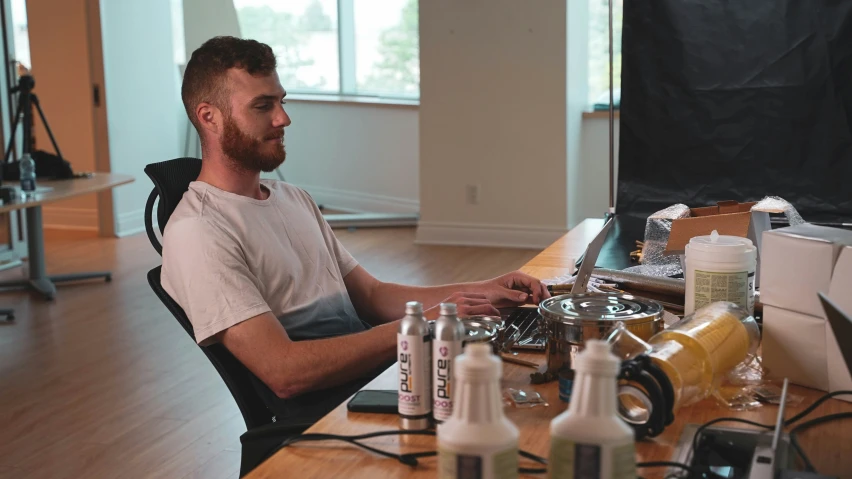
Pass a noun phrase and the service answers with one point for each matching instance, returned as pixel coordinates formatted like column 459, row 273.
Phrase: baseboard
column 358, row 202
column 130, row 223
column 61, row 218
column 504, row 236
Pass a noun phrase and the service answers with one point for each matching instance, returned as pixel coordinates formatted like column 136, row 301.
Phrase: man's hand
column 467, row 304
column 513, row 289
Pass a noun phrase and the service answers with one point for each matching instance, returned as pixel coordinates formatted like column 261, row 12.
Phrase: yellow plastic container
column 697, row 352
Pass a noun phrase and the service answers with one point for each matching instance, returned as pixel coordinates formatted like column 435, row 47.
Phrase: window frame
column 347, row 91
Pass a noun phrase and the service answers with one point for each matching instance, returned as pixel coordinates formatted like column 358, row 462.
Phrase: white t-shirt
column 228, row 258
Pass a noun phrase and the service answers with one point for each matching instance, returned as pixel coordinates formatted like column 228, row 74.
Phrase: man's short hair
column 206, row 72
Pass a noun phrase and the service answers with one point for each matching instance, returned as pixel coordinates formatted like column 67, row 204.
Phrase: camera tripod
column 26, row 98
column 38, row 279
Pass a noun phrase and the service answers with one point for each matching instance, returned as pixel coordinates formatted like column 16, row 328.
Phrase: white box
column 793, row 346
column 796, row 263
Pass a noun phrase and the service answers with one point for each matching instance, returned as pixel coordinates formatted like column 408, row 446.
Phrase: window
column 599, row 52
column 178, row 44
column 343, row 47
column 20, row 33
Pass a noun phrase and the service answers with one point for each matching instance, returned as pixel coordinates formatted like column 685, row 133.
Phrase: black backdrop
column 736, row 99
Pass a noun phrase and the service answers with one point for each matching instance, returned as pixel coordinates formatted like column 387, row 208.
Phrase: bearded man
column 255, row 266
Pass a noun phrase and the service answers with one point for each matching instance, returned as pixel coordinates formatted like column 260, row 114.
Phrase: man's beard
column 248, row 153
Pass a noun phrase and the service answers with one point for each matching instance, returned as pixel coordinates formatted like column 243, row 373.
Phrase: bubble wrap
column 659, row 226
column 657, row 230
column 774, row 204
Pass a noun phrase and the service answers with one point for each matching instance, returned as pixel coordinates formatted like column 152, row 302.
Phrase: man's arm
column 290, row 368
column 380, row 302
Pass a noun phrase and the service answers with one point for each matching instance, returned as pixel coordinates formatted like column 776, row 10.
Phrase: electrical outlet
column 472, row 192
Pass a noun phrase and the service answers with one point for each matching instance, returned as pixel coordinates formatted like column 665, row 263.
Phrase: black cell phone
column 375, row 401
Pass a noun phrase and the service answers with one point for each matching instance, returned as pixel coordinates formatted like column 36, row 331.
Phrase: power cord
column 787, row 422
column 690, row 470
column 410, row 459
column 807, row 425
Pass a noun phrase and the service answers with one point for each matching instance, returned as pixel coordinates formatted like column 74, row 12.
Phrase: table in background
column 824, row 444
column 54, row 191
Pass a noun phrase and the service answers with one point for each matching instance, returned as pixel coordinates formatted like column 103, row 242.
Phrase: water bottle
column 449, row 334
column 414, row 350
column 28, row 173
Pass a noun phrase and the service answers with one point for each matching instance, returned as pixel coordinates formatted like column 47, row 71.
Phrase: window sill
column 603, row 115
column 352, row 100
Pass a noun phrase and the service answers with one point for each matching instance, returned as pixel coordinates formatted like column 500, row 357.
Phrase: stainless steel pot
column 569, row 320
column 482, row 329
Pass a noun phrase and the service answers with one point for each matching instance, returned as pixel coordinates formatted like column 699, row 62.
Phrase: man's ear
column 209, row 117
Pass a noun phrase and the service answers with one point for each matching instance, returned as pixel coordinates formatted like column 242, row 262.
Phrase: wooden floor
column 103, row 382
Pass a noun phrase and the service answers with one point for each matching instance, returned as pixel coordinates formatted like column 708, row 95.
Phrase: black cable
column 807, row 425
column 700, row 430
column 409, row 459
column 813, row 406
column 533, row 457
column 685, row 467
column 788, row 422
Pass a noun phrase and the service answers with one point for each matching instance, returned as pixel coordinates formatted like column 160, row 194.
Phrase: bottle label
column 28, row 184
column 566, row 383
column 624, row 461
column 573, row 460
column 736, row 287
column 443, row 355
column 499, row 465
column 415, row 359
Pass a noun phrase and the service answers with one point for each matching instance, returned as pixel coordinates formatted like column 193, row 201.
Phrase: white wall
column 493, row 114
column 205, row 19
column 354, row 157
column 142, row 96
column 591, row 198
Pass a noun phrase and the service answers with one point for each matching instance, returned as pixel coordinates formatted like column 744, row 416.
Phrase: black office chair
column 263, row 435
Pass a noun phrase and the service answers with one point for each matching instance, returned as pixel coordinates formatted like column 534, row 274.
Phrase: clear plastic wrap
column 774, row 204
column 658, row 227
column 522, row 398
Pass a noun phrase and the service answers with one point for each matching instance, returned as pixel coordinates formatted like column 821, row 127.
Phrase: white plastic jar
column 720, row 268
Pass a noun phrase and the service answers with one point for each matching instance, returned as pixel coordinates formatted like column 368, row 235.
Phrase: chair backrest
column 171, row 180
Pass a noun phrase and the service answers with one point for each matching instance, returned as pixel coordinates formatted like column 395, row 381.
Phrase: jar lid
column 481, row 328
column 596, row 308
column 721, row 248
column 477, row 328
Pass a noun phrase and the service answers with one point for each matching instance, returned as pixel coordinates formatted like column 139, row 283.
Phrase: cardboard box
column 727, row 218
column 793, row 346
column 797, row 262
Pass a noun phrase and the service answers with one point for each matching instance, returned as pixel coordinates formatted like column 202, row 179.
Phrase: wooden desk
column 47, row 192
column 824, row 444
